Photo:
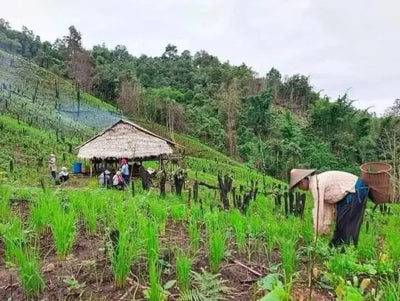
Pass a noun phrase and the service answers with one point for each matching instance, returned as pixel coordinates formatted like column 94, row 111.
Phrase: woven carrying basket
column 377, row 176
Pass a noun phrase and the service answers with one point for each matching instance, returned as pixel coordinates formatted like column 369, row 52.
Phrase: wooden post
column 195, row 191
column 91, row 168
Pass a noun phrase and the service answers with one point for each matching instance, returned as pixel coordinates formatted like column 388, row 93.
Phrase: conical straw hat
column 296, row 175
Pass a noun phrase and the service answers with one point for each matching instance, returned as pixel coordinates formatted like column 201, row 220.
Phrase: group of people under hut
column 120, row 180
column 63, row 175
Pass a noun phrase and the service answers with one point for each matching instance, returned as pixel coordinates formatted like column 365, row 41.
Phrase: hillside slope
column 19, row 79
column 34, row 123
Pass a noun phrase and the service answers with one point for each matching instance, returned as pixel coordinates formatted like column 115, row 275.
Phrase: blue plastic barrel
column 77, row 167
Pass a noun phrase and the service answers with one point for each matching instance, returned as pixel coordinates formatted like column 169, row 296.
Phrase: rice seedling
column 367, row 243
column 5, row 194
column 183, row 268
column 159, row 212
column 41, row 211
column 194, row 235
column 392, row 238
column 288, row 253
column 13, row 237
column 215, row 243
column 270, row 230
column 390, row 288
column 30, row 272
column 308, row 230
column 90, row 212
column 178, row 212
column 152, row 242
column 64, row 230
column 239, row 226
column 196, row 212
column 156, row 292
column 122, row 253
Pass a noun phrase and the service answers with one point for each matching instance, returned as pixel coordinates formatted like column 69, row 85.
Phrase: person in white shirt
column 63, row 176
column 332, row 190
column 104, row 178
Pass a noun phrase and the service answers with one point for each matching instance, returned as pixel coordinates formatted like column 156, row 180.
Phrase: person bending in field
column 332, row 190
column 63, row 176
column 118, row 181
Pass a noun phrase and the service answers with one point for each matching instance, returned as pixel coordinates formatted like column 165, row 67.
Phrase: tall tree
column 229, row 98
column 130, row 98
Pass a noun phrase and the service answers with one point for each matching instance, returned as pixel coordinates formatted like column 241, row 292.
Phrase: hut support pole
column 91, row 168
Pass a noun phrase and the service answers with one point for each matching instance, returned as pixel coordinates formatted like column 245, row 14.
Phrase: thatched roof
column 125, row 139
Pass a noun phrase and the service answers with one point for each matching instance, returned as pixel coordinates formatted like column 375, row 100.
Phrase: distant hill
column 36, row 120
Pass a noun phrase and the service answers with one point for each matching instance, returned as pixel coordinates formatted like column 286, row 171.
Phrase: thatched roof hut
column 125, row 139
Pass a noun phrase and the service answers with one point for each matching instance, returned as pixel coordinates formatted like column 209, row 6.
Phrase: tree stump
column 225, row 186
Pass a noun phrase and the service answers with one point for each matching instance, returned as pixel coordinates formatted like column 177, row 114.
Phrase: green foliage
column 215, row 241
column 390, row 287
column 206, row 287
column 63, row 226
column 288, row 253
column 194, row 235
column 5, row 194
column 275, row 288
column 13, row 237
column 239, row 225
column 30, row 272
column 183, row 269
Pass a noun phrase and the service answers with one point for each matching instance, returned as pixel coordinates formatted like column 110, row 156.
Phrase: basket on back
column 377, row 176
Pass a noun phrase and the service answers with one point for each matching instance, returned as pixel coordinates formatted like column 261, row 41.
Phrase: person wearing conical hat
column 63, row 175
column 334, row 190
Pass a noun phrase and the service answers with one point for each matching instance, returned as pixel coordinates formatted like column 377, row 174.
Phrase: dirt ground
column 86, row 274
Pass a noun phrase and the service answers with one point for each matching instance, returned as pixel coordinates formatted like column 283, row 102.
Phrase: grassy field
column 77, row 241
column 100, row 244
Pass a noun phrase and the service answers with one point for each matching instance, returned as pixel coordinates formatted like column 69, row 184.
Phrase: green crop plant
column 271, row 234
column 30, row 272
column 239, row 226
column 196, row 212
column 159, row 212
column 367, row 243
column 13, row 237
column 178, row 212
column 122, row 253
column 155, row 292
column 341, row 264
column 42, row 210
column 392, row 238
column 90, row 212
column 194, row 235
column 5, row 195
column 215, row 242
column 308, row 230
column 390, row 287
column 152, row 249
column 288, row 253
column 183, row 268
column 125, row 240
column 63, row 226
column 256, row 233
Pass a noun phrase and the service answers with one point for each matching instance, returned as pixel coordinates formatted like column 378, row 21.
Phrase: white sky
column 341, row 44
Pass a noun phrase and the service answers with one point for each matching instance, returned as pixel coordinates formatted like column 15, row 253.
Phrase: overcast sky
column 342, row 45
